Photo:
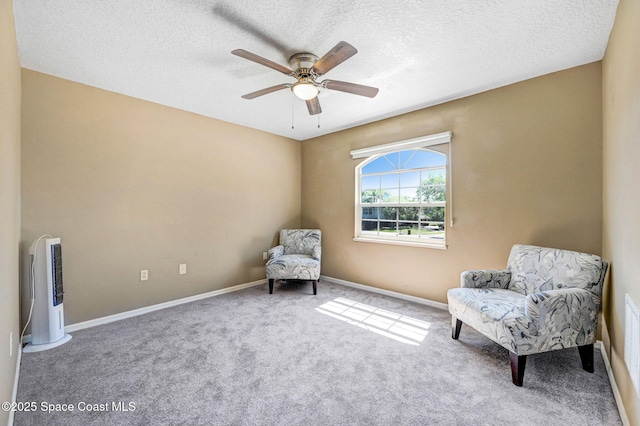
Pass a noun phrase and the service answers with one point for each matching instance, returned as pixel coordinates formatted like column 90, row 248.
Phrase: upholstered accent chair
column 546, row 299
column 297, row 257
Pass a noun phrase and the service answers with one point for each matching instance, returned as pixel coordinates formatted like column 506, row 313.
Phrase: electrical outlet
column 264, row 255
column 183, row 269
column 144, row 275
column 11, row 344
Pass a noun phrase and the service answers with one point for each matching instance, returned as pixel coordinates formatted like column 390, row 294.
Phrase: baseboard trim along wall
column 614, row 385
column 134, row 313
column 389, row 293
column 147, row 309
column 16, row 379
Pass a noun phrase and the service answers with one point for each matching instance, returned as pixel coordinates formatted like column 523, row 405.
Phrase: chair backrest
column 534, row 269
column 300, row 241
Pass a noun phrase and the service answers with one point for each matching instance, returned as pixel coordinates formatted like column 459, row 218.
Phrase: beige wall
column 9, row 200
column 527, row 168
column 621, row 237
column 131, row 185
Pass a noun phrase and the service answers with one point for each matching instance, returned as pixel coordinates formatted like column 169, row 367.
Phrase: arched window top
column 404, row 160
column 419, row 142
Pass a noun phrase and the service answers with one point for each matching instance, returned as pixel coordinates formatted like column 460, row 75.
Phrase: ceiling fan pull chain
column 292, row 127
column 318, row 115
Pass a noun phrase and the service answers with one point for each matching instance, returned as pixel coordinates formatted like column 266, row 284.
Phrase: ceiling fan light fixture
column 305, row 90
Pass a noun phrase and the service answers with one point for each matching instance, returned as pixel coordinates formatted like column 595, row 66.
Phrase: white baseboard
column 389, row 293
column 614, row 385
column 134, row 313
column 16, row 378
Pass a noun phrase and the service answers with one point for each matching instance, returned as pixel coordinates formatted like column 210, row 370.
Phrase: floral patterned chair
column 546, row 299
column 297, row 257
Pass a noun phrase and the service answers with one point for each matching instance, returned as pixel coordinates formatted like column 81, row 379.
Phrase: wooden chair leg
column 315, row 287
column 586, row 356
column 456, row 325
column 270, row 286
column 518, row 363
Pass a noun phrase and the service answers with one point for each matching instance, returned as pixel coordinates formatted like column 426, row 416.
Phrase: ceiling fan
column 306, row 68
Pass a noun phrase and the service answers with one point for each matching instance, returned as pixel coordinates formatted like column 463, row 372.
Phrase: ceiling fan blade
column 340, row 53
column 356, row 89
column 266, row 91
column 313, row 105
column 262, row 61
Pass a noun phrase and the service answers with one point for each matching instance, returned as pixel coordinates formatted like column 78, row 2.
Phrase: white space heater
column 47, row 323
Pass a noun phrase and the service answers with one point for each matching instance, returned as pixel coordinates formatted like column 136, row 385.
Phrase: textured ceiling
column 419, row 53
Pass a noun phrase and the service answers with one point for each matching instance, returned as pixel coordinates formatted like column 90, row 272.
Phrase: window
column 402, row 192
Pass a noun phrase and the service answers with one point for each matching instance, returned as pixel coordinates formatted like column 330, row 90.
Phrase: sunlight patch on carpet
column 386, row 323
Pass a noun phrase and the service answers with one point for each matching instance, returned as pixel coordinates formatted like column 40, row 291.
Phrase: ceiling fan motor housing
column 302, row 60
column 301, row 64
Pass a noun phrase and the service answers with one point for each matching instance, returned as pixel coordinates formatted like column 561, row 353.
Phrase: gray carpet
column 291, row 358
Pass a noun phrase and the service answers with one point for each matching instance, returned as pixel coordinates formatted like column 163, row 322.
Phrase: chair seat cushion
column 293, row 267
column 491, row 311
column 500, row 315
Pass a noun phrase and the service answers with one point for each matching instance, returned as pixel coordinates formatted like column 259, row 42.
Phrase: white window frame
column 374, row 152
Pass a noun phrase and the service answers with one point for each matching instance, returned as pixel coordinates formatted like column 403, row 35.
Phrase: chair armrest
column 317, row 253
column 567, row 307
column 274, row 252
column 487, row 278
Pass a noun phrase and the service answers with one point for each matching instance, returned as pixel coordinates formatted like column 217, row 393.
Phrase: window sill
column 400, row 243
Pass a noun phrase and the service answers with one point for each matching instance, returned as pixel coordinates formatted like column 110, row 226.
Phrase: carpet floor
column 343, row 357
